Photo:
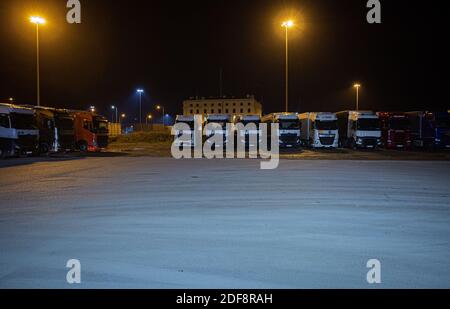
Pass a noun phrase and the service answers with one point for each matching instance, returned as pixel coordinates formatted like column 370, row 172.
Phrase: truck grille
column 327, row 141
column 372, row 142
column 27, row 142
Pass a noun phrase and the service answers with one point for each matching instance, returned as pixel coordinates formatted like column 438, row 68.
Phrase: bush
column 143, row 137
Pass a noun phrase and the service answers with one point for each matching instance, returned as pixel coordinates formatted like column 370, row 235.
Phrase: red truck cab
column 395, row 130
column 91, row 131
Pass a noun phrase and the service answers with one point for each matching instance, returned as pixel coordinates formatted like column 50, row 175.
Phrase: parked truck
column 18, row 132
column 319, row 130
column 220, row 122
column 248, row 137
column 359, row 129
column 91, row 131
column 190, row 122
column 395, row 130
column 430, row 129
column 289, row 129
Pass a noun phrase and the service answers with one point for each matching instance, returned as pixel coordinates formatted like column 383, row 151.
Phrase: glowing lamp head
column 158, row 107
column 123, row 115
column 140, row 91
column 288, row 24
column 37, row 20
column 357, row 86
column 149, row 116
column 113, row 107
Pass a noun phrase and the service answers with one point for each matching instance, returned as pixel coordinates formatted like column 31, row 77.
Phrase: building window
column 249, row 104
column 226, row 104
column 212, row 111
column 198, row 112
column 242, row 104
column 234, row 104
column 197, row 105
column 249, row 111
column 192, row 105
column 234, row 111
column 226, row 111
column 242, row 110
column 220, row 111
column 205, row 111
column 191, row 111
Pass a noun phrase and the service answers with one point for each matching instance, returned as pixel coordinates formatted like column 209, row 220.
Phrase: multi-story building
column 232, row 106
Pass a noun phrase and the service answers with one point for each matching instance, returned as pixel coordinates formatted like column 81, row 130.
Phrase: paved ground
column 159, row 223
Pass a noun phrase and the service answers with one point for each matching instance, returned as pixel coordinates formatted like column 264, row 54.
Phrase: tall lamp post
column 159, row 107
column 37, row 21
column 140, row 92
column 357, row 86
column 287, row 24
column 114, row 108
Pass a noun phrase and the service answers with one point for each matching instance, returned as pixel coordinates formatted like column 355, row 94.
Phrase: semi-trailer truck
column 250, row 137
column 359, row 129
column 91, row 131
column 185, row 143
column 430, row 129
column 319, row 130
column 395, row 130
column 221, row 126
column 18, row 132
column 289, row 129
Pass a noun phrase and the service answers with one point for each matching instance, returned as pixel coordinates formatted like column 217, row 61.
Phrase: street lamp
column 149, row 117
column 159, row 107
column 92, row 109
column 287, row 24
column 11, row 100
column 37, row 21
column 140, row 92
column 113, row 107
column 357, row 86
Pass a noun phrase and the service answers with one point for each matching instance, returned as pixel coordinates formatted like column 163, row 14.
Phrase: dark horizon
column 175, row 50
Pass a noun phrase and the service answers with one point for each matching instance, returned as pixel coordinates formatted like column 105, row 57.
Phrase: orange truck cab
column 91, row 131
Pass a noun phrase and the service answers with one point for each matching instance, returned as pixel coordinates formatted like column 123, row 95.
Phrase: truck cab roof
column 319, row 116
column 6, row 108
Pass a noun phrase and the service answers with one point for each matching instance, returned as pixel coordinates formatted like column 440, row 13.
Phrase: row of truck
column 31, row 130
column 349, row 129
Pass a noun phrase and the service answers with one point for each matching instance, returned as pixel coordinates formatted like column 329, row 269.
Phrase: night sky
column 176, row 49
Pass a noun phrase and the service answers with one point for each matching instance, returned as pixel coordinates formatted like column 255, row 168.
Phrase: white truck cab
column 189, row 121
column 18, row 133
column 359, row 129
column 246, row 135
column 319, row 130
column 289, row 128
column 222, row 125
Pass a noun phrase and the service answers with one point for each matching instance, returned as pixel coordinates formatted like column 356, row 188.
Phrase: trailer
column 222, row 126
column 319, row 130
column 190, row 122
column 247, row 130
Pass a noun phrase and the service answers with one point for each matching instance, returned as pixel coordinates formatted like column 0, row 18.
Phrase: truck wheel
column 83, row 147
column 44, row 149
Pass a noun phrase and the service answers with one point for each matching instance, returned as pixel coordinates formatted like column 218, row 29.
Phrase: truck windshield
column 100, row 125
column 222, row 124
column 4, row 121
column 189, row 123
column 289, row 124
column 22, row 121
column 368, row 124
column 246, row 122
column 399, row 124
column 326, row 125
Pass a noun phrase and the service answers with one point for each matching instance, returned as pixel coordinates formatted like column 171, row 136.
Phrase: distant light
column 123, row 115
column 92, row 108
column 37, row 20
column 150, row 116
column 288, row 24
column 357, row 85
column 140, row 91
column 113, row 107
column 11, row 99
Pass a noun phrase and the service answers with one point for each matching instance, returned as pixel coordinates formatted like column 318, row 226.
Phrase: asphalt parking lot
column 147, row 222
